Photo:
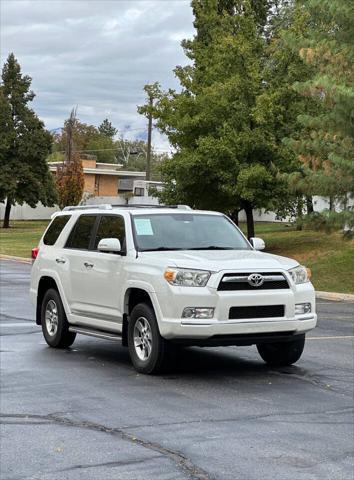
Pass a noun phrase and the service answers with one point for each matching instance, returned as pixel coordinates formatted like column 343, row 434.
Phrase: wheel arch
column 44, row 284
column 132, row 297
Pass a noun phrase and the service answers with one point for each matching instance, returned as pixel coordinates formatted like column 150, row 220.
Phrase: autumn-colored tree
column 70, row 175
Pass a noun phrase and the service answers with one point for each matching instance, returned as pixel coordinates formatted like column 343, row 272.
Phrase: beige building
column 104, row 179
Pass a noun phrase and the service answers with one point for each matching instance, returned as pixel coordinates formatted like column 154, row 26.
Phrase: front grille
column 259, row 311
column 239, row 281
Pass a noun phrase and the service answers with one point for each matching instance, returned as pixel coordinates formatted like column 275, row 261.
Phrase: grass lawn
column 21, row 237
column 330, row 257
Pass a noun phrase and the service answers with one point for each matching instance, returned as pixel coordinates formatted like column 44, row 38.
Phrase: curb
column 336, row 297
column 15, row 259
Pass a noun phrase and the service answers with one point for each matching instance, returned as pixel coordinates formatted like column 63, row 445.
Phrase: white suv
column 156, row 278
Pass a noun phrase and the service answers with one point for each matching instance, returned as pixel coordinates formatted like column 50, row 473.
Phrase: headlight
column 300, row 274
column 187, row 278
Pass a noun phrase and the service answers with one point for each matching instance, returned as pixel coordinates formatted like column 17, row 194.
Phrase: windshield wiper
column 160, row 249
column 212, row 247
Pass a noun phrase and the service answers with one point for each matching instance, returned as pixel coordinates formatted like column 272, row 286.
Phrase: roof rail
column 146, row 205
column 103, row 206
column 106, row 206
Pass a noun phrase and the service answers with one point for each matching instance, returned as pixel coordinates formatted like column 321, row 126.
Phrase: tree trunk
column 299, row 214
column 309, row 205
column 234, row 216
column 6, row 223
column 331, row 204
column 250, row 221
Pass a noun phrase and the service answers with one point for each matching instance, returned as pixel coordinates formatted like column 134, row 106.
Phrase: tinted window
column 80, row 236
column 111, row 226
column 55, row 229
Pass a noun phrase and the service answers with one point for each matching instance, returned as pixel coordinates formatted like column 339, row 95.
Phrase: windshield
column 180, row 231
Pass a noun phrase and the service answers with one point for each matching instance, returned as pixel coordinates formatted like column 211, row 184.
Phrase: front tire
column 149, row 352
column 282, row 353
column 55, row 326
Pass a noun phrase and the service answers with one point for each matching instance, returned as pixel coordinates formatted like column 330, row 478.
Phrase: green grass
column 330, row 256
column 21, row 237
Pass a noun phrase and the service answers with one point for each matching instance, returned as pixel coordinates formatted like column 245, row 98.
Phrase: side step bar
column 96, row 333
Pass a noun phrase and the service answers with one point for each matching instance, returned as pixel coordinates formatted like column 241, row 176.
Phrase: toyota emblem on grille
column 255, row 279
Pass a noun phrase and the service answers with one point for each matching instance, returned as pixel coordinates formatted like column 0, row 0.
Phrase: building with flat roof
column 104, row 179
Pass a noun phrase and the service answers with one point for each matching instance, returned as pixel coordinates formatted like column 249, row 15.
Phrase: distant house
column 104, row 179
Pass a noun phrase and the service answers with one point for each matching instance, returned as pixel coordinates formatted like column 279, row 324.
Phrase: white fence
column 25, row 212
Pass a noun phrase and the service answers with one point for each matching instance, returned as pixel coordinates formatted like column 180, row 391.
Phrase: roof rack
column 103, row 206
column 146, row 205
column 106, row 206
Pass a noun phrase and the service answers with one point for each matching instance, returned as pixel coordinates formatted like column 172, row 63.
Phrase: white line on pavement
column 339, row 337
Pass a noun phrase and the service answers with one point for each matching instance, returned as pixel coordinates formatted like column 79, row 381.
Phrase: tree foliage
column 325, row 141
column 107, row 129
column 227, row 121
column 70, row 175
column 24, row 144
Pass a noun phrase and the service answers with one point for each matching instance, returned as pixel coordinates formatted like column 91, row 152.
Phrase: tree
column 87, row 139
column 325, row 144
column 70, row 175
column 228, row 157
column 24, row 144
column 106, row 128
column 152, row 92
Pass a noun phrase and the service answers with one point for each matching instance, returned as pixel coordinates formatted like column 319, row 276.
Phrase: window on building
column 139, row 192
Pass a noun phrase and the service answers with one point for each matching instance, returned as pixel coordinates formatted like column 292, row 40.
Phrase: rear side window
column 80, row 235
column 55, row 229
column 111, row 226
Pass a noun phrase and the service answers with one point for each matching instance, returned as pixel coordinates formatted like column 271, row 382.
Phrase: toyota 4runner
column 156, row 278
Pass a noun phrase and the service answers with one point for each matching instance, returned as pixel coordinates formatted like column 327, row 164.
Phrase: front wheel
column 149, row 352
column 55, row 326
column 282, row 353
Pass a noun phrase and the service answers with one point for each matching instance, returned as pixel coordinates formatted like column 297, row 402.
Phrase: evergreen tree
column 24, row 145
column 106, row 128
column 325, row 144
column 228, row 156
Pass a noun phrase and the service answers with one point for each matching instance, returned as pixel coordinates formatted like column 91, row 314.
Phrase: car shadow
column 189, row 361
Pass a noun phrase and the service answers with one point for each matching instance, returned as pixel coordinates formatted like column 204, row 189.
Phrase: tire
column 154, row 353
column 55, row 326
column 282, row 353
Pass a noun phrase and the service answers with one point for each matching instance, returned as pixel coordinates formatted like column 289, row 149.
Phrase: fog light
column 198, row 312
column 302, row 308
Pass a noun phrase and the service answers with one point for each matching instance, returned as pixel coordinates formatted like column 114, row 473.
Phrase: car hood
column 217, row 260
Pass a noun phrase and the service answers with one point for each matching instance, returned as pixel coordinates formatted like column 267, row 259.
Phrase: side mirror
column 110, row 245
column 257, row 243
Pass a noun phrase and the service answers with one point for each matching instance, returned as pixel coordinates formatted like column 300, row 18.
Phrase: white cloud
column 96, row 54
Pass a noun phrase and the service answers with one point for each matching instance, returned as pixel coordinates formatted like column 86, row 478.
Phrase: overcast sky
column 96, row 54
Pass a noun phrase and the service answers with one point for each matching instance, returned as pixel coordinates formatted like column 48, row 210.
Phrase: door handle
column 88, row 265
column 60, row 260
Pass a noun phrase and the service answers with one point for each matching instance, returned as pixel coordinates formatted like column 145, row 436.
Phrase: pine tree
column 326, row 145
column 24, row 145
column 106, row 128
column 228, row 156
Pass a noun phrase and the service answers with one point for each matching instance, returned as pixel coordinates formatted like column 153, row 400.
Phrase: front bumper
column 172, row 326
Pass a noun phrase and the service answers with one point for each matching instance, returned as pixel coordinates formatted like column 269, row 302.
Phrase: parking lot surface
column 221, row 413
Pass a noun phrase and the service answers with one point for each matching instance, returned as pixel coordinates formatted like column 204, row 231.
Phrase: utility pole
column 148, row 154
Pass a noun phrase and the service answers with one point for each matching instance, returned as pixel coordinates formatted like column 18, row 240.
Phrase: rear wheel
column 149, row 352
column 282, row 353
column 55, row 326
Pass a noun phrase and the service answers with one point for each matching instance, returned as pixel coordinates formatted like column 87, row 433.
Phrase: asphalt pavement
column 221, row 413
